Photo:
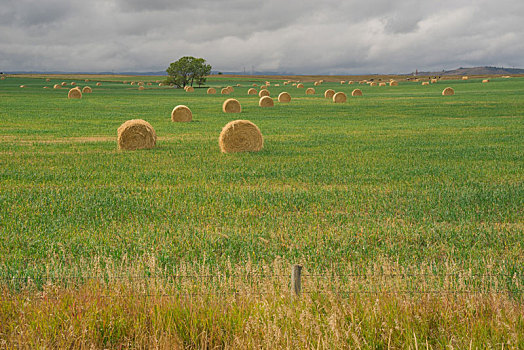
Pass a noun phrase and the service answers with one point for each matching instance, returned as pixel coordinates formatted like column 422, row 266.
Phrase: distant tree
column 188, row 70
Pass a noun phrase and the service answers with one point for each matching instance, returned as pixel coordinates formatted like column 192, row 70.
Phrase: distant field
column 400, row 181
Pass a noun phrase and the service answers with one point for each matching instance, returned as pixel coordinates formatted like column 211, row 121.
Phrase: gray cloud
column 295, row 36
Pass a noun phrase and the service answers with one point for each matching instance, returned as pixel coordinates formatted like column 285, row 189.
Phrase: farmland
column 402, row 184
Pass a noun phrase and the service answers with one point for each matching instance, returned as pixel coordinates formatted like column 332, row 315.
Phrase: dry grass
column 241, row 136
column 136, row 134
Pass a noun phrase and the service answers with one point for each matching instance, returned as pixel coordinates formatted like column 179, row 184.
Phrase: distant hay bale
column 87, row 81
column 381, row 84
column 160, row 84
column 211, row 91
column 46, row 87
column 266, row 101
column 310, row 91
column 339, row 97
column 190, row 89
column 238, row 85
column 132, row 83
column 316, row 83
column 285, row 83
column 23, row 86
column 140, row 83
column 136, row 134
column 465, row 77
column 263, row 87
column 231, row 106
column 225, row 91
column 141, row 87
column 57, row 86
column 74, row 93
column 73, row 83
column 342, row 82
column 149, row 84
column 230, row 88
column 485, row 81
column 300, row 86
column 255, row 85
column 448, row 91
column 373, row 84
column 329, row 93
column 277, row 84
column 98, row 84
column 48, row 80
column 393, row 83
column 87, row 90
column 425, row 83
column 63, row 83
column 350, row 82
column 263, row 93
column 356, row 92
column 506, row 76
column 284, row 97
column 181, row 113
column 240, row 136
column 433, row 81
column 252, row 91
column 294, row 84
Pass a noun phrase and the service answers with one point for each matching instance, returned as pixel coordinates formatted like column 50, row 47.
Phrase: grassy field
column 405, row 208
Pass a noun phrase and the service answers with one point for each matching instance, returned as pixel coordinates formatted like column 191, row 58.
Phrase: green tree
column 188, row 70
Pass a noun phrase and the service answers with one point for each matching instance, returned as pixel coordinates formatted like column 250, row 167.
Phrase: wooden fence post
column 296, row 286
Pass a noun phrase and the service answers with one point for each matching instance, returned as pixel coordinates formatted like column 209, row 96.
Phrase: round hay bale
column 350, row 82
column 231, row 106
column 294, row 84
column 132, row 83
column 255, row 85
column 433, row 81
column 149, row 84
column 22, row 86
column 98, row 84
column 48, row 80
column 46, row 87
column 160, row 84
column 372, row 84
column 448, row 91
column 263, row 87
column 87, row 90
column 224, row 91
column 74, row 93
column 425, row 83
column 284, row 97
column 277, row 84
column 393, row 83
column 342, row 82
column 310, row 91
column 465, row 77
column 381, row 84
column 87, row 81
column 230, row 88
column 136, row 134
column 316, row 83
column 339, row 97
column 211, row 91
column 266, row 101
column 263, row 93
column 485, row 81
column 356, row 92
column 285, row 83
column 181, row 113
column 140, row 83
column 73, row 83
column 300, row 86
column 329, row 93
column 238, row 85
column 190, row 89
column 252, row 91
column 141, row 87
column 240, row 136
column 57, row 86
column 63, row 83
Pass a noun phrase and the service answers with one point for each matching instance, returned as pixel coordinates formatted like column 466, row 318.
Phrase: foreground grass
column 402, row 179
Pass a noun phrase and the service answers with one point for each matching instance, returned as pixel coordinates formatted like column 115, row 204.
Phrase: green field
column 401, row 180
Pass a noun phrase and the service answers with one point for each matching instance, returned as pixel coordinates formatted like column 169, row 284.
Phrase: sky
column 293, row 36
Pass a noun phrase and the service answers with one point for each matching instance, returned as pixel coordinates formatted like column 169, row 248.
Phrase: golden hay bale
column 230, row 88
column 310, row 91
column 263, row 93
column 285, row 83
column 373, row 84
column 63, row 83
column 255, row 85
column 225, row 91
column 284, row 97
column 266, row 101
column 485, row 81
column 381, row 84
column 73, row 83
column 149, row 84
column 136, row 134
column 316, row 83
column 238, row 85
column 425, row 83
column 132, row 83
column 465, row 77
column 448, row 91
column 339, row 97
column 190, row 89
column 74, row 93
column 240, row 136
column 350, row 82
column 329, row 93
column 277, row 84
column 263, row 87
column 181, row 113
column 87, row 90
column 48, row 80
column 22, row 86
column 141, row 87
column 211, row 91
column 140, row 83
column 87, row 81
column 393, row 83
column 342, row 82
column 98, row 84
column 57, row 86
column 356, row 92
column 433, row 81
column 160, row 84
column 46, row 87
column 294, row 84
column 300, row 86
column 252, row 91
column 231, row 106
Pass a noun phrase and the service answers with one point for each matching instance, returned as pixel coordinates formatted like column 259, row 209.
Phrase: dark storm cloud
column 294, row 36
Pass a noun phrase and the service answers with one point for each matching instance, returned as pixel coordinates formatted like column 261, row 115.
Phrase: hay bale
column 316, row 83
column 231, row 106
column 339, row 97
column 238, row 85
column 329, row 93
column 160, row 84
column 48, row 80
column 211, row 91
column 98, row 84
column 393, row 83
column 63, row 83
column 425, row 83
column 87, row 90
column 87, row 81
column 57, row 86
column 277, row 84
column 46, row 87
column 381, row 84
column 132, row 83
column 286, row 82
column 310, row 91
column 294, row 84
column 74, row 93
column 149, row 84
column 136, row 134
column 252, row 91
column 224, row 91
column 23, row 86
column 73, row 83
column 140, row 83
column 350, row 82
column 372, row 83
column 266, row 101
column 485, row 81
column 263, row 93
column 240, row 136
column 230, row 88
column 448, row 91
column 465, row 77
column 300, row 86
column 263, row 87
column 141, row 88
column 284, row 97
column 190, row 89
column 433, row 81
column 342, row 82
column 181, row 113
column 255, row 85
column 356, row 92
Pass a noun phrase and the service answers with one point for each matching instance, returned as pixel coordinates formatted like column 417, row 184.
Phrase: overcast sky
column 294, row 36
